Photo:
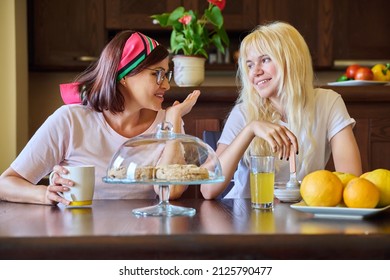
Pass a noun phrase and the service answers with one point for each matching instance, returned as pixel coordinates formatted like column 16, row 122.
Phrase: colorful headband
column 136, row 49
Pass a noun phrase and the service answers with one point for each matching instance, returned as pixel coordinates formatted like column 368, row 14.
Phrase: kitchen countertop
column 228, row 78
column 229, row 93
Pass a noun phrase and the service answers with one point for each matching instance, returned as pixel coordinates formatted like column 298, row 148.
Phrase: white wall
column 13, row 80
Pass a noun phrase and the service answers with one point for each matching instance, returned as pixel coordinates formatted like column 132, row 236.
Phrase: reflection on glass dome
column 164, row 158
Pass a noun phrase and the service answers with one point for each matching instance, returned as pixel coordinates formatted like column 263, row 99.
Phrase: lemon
column 381, row 178
column 321, row 188
column 361, row 193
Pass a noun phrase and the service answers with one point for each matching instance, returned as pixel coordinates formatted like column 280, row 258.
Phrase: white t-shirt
column 331, row 117
column 77, row 135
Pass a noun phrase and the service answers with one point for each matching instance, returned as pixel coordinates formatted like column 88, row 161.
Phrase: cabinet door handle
column 86, row 58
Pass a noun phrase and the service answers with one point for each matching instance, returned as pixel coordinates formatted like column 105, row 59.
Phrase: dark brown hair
column 98, row 84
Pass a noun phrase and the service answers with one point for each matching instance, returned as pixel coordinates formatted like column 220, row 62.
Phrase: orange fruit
column 321, row 188
column 361, row 193
column 344, row 177
column 380, row 178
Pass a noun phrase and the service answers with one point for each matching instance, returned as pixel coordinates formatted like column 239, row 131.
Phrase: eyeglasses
column 161, row 75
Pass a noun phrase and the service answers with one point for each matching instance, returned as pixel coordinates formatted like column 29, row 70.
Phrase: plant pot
column 188, row 70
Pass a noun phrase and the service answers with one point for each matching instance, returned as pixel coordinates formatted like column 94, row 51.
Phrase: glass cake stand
column 164, row 207
column 150, row 150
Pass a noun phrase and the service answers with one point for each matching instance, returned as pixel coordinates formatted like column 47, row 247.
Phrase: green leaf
column 194, row 15
column 174, row 19
column 224, row 37
column 215, row 16
column 176, row 14
column 342, row 78
column 173, row 41
column 196, row 37
column 162, row 19
column 218, row 43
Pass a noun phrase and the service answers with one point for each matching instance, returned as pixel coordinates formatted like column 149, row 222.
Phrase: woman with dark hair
column 117, row 98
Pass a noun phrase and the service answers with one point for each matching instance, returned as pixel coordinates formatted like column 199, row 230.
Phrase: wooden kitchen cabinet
column 68, row 34
column 313, row 19
column 135, row 14
column 238, row 15
column 65, row 34
column 361, row 30
column 371, row 111
column 335, row 30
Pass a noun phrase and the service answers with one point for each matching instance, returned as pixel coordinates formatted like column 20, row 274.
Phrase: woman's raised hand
column 183, row 108
column 175, row 113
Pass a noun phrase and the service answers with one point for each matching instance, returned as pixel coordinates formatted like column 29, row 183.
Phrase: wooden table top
column 220, row 229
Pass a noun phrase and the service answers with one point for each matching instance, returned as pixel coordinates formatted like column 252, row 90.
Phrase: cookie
column 181, row 172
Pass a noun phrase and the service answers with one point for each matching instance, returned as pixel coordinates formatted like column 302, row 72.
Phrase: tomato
column 364, row 73
column 351, row 71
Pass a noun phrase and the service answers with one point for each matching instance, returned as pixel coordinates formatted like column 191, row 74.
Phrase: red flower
column 219, row 3
column 186, row 19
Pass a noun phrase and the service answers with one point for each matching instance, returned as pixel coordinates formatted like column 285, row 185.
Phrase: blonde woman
column 279, row 112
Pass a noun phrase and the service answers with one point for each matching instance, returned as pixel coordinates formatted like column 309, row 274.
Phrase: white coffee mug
column 81, row 193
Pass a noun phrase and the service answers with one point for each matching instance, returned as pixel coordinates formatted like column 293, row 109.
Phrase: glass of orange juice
column 262, row 178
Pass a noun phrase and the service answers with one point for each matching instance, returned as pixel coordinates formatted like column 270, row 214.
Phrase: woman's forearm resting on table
column 14, row 188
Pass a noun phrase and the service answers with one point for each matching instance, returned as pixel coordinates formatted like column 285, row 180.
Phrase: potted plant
column 192, row 36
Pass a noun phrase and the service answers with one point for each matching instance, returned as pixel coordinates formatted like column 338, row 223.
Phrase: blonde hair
column 290, row 53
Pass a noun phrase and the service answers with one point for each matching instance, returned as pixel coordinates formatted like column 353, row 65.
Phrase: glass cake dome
column 164, row 158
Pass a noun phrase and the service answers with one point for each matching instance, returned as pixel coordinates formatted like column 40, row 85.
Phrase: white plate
column 338, row 211
column 357, row 83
